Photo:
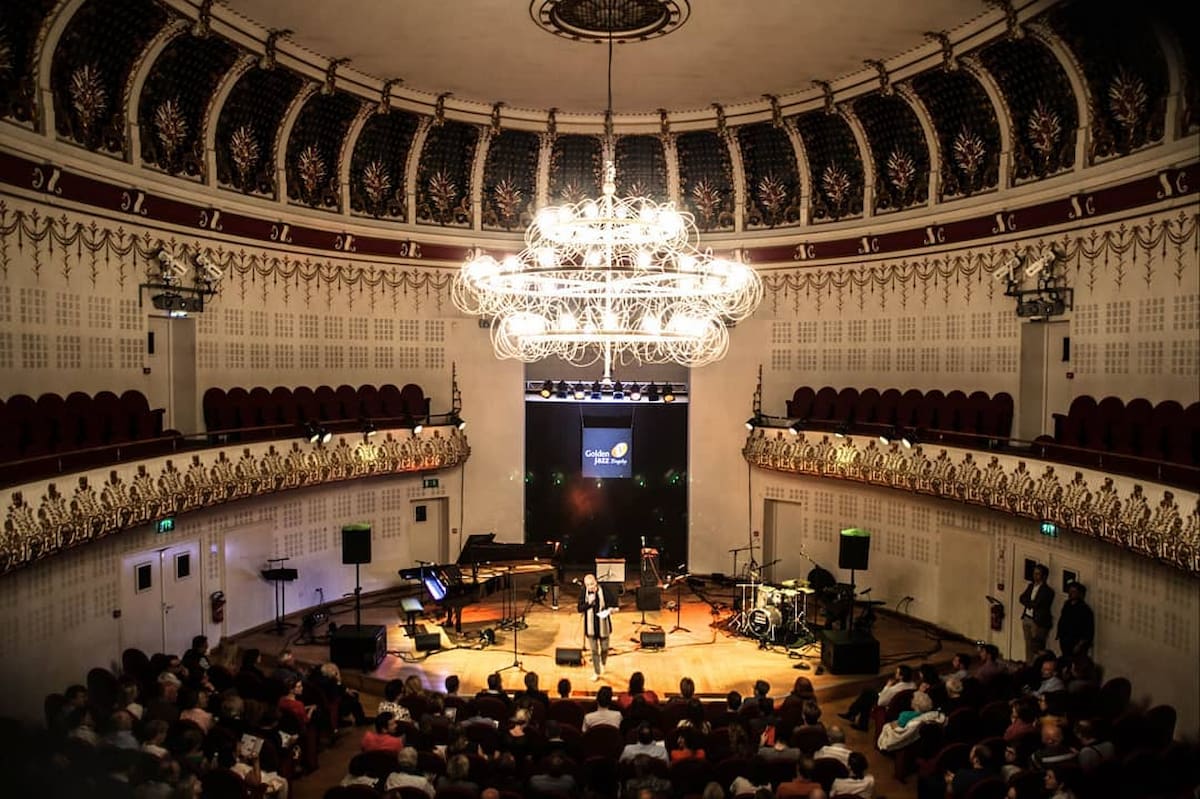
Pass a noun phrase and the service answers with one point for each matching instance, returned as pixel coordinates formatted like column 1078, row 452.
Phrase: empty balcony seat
column 801, row 404
column 416, row 404
column 823, row 404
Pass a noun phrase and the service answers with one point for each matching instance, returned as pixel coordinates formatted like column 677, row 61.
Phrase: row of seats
column 1163, row 433
column 257, row 413
column 976, row 416
column 53, row 433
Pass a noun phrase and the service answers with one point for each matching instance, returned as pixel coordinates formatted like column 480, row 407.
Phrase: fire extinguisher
column 996, row 613
column 216, row 603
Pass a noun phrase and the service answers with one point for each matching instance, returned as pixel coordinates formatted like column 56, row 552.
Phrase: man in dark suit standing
column 1076, row 624
column 1036, row 620
column 596, row 604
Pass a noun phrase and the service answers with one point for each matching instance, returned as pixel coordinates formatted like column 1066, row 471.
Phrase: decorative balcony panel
column 1045, row 119
column 836, row 164
column 967, row 130
column 641, row 168
column 1181, row 30
column 248, row 128
column 510, row 180
column 575, row 165
column 706, row 187
column 772, row 179
column 314, row 148
column 91, row 67
column 19, row 26
column 898, row 150
column 46, row 518
column 174, row 100
column 377, row 166
column 1126, row 72
column 444, row 177
column 1154, row 525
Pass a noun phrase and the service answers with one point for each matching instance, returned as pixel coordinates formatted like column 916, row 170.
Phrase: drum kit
column 774, row 614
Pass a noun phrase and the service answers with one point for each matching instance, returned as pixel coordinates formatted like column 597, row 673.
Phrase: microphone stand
column 516, row 626
column 679, row 605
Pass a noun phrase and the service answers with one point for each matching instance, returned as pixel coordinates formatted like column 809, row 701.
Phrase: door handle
column 167, row 608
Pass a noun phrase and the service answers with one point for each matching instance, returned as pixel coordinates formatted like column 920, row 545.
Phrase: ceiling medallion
column 596, row 20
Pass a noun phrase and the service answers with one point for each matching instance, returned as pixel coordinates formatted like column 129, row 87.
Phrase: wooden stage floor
column 717, row 659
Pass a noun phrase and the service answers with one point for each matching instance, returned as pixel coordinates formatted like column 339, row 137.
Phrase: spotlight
column 418, row 427
column 316, row 434
column 887, row 436
column 752, row 423
column 841, row 431
column 547, row 389
column 326, row 436
column 635, row 393
column 415, row 425
column 579, row 392
column 652, row 393
column 596, row 388
column 563, row 389
column 457, row 421
column 909, row 440
column 618, row 390
column 368, row 429
column 795, row 427
column 668, row 395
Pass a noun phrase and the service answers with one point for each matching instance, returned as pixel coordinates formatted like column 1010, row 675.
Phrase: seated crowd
column 219, row 724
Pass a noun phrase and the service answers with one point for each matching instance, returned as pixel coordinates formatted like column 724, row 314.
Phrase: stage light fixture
column 618, row 390
column 487, row 637
column 795, row 427
column 909, row 439
column 563, row 389
column 887, row 436
column 317, row 434
column 596, row 389
column 635, row 392
column 368, row 429
column 457, row 421
column 547, row 389
column 841, row 431
column 752, row 423
column 652, row 393
column 579, row 393
column 668, row 394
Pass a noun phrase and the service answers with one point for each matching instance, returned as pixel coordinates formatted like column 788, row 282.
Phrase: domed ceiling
column 703, row 52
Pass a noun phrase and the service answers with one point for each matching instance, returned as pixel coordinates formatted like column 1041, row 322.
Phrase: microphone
column 864, row 593
column 575, row 581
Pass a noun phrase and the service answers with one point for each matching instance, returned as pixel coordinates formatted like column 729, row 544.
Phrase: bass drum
column 763, row 621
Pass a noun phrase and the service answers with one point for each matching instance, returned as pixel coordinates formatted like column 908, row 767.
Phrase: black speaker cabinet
column 854, row 549
column 649, row 597
column 566, row 656
column 354, row 647
column 653, row 639
column 356, row 543
column 849, row 653
column 427, row 642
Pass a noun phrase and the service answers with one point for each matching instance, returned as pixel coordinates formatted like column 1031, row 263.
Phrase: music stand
column 517, row 625
column 678, row 604
column 279, row 575
column 641, row 605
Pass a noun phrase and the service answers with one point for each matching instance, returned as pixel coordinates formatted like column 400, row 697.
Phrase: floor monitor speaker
column 427, row 642
column 356, row 543
column 654, row 639
column 355, row 647
column 849, row 652
column 566, row 656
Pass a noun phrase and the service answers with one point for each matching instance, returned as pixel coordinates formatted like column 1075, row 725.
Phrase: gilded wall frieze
column 41, row 521
column 1087, row 503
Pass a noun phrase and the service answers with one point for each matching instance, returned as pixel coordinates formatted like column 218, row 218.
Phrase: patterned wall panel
column 93, row 60
column 898, row 149
column 706, row 179
column 1178, row 25
column 444, row 178
column 19, row 25
column 575, row 164
column 641, row 168
column 1126, row 73
column 174, row 99
column 510, row 180
column 248, row 126
column 772, row 178
column 967, row 130
column 1041, row 102
column 314, row 147
column 377, row 166
column 836, row 164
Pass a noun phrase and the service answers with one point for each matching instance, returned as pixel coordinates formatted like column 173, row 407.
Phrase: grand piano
column 485, row 566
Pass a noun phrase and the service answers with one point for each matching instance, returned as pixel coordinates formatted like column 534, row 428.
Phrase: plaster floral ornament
column 508, row 199
column 376, row 182
column 707, row 199
column 88, row 97
column 443, row 192
column 772, row 194
column 901, row 169
column 170, row 126
column 1127, row 99
column 571, row 194
column 311, row 168
column 836, row 184
column 1045, row 128
column 243, row 147
column 969, row 152
column 637, row 189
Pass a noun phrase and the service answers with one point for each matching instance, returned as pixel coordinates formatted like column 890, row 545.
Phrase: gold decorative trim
column 139, row 493
column 1082, row 505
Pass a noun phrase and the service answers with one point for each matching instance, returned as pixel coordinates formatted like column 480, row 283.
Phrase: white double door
column 162, row 604
column 1063, row 569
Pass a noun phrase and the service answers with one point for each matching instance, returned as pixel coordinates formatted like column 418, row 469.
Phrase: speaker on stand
column 854, row 553
column 358, row 646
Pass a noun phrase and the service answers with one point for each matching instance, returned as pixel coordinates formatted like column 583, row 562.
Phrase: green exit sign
column 166, row 525
column 429, row 482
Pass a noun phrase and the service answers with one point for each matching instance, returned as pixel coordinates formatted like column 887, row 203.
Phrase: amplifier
column 354, row 647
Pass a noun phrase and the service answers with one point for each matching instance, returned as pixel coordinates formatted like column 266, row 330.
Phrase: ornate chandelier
column 618, row 280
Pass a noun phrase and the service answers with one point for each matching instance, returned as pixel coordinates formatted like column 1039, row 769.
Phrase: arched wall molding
column 284, row 135
column 1174, row 55
column 1041, row 31
column 1003, row 115
column 349, row 142
column 1151, row 521
column 671, row 157
column 932, row 144
column 477, row 167
column 132, row 93
column 412, row 167
column 47, row 42
column 803, row 168
column 864, row 154
column 738, row 168
column 40, row 520
column 212, row 114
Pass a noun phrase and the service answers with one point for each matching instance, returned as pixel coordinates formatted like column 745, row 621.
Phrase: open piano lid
column 483, row 548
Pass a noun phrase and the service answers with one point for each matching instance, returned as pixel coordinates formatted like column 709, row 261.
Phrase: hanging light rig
column 617, row 281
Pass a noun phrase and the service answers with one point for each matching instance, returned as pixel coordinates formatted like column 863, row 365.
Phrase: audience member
column 644, row 777
column 1093, row 750
column 645, row 746
column 859, row 710
column 960, row 667
column 555, row 778
column 694, row 717
column 1054, row 750
column 1036, row 620
column 564, row 688
column 457, row 776
column 800, row 785
column 687, row 690
column 1023, row 718
column 604, row 713
column 859, row 783
column 897, row 735
column 836, row 748
column 989, row 667
column 407, row 775
column 756, row 779
column 384, row 738
column 286, row 671
column 391, row 699
column 637, row 687
column 1050, row 681
column 980, row 766
column 532, row 692
column 1076, row 623
column 358, row 773
column 1060, row 780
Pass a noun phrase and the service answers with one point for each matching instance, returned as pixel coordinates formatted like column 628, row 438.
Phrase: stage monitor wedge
column 567, row 656
column 653, row 639
column 362, row 648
